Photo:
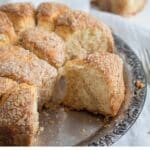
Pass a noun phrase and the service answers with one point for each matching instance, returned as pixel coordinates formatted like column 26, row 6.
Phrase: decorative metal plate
column 67, row 128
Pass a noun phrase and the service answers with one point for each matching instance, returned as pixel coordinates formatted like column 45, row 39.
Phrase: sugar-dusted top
column 20, row 9
column 112, row 67
column 48, row 46
column 51, row 10
column 18, row 110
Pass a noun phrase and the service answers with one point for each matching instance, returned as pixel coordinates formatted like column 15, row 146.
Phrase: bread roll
column 122, row 7
column 47, row 14
column 94, row 84
column 47, row 46
column 19, row 116
column 7, row 33
column 83, row 34
column 23, row 66
column 21, row 14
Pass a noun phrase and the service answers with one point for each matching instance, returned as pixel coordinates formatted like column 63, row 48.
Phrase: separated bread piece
column 7, row 33
column 23, row 66
column 94, row 84
column 83, row 34
column 6, row 85
column 48, row 46
column 122, row 7
column 19, row 116
column 47, row 14
column 21, row 14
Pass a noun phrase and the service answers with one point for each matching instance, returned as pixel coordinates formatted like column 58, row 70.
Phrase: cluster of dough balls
column 34, row 45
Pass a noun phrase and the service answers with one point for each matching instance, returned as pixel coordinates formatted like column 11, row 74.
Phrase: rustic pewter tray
column 67, row 128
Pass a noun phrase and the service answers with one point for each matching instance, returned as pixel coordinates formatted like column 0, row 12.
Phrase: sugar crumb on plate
column 139, row 84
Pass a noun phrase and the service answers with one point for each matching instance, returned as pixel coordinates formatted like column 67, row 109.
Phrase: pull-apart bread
column 22, row 15
column 23, row 66
column 18, row 111
column 7, row 33
column 47, row 14
column 83, row 34
column 122, row 7
column 53, row 56
column 48, row 46
column 94, row 83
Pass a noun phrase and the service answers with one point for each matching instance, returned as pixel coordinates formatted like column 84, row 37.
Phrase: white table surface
column 135, row 31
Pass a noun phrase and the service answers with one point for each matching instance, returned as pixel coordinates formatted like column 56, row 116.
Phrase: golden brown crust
column 47, row 13
column 75, row 21
column 23, row 66
column 19, row 116
column 7, row 33
column 139, row 84
column 122, row 7
column 20, row 9
column 78, row 20
column 112, row 67
column 21, row 14
column 88, row 74
column 48, row 46
column 27, row 81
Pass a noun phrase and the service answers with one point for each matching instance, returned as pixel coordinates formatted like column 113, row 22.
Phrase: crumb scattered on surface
column 67, row 109
column 139, row 84
column 106, row 125
column 97, row 119
column 51, row 121
column 35, row 139
column 106, row 119
column 83, row 132
column 46, row 114
column 53, row 107
column 41, row 129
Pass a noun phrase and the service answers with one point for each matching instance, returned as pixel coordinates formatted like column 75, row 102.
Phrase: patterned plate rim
column 135, row 107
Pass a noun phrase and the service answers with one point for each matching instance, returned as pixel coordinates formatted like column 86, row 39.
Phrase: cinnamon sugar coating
column 22, row 15
column 47, row 46
column 23, row 66
column 47, row 14
column 19, row 116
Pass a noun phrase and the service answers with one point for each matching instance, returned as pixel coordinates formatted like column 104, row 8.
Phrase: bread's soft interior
column 82, row 42
column 86, row 89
